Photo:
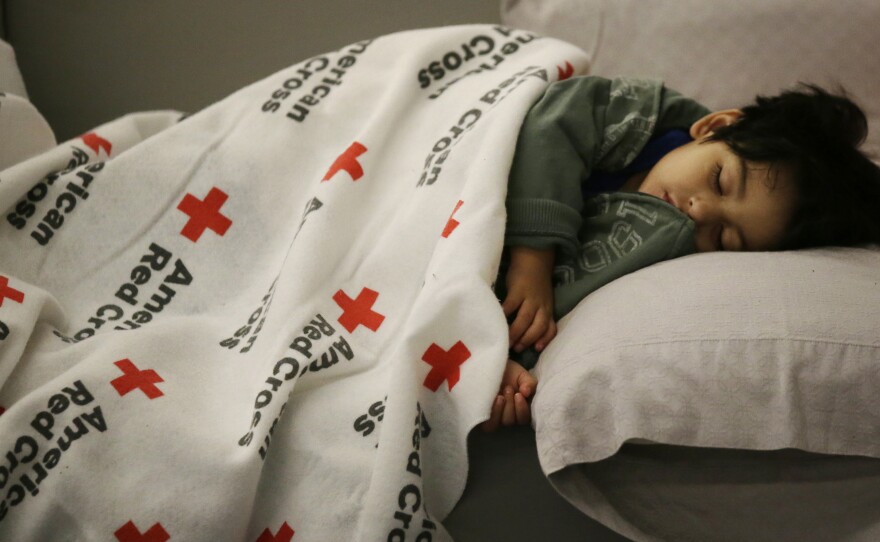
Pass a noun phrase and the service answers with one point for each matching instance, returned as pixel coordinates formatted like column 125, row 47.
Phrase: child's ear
column 713, row 121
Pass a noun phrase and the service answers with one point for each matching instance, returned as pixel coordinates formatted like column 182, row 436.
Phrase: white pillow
column 751, row 351
column 722, row 53
column 756, row 351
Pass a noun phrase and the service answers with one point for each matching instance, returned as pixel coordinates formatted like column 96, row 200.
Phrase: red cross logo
column 204, row 214
column 564, row 73
column 348, row 161
column 134, row 378
column 130, row 533
column 7, row 292
column 96, row 142
column 444, row 364
column 452, row 223
column 359, row 312
column 285, row 533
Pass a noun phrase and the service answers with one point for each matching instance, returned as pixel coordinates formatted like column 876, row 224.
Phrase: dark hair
column 817, row 135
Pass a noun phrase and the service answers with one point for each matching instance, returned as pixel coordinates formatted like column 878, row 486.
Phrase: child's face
column 736, row 205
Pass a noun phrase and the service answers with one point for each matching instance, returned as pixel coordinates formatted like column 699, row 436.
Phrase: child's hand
column 530, row 296
column 511, row 406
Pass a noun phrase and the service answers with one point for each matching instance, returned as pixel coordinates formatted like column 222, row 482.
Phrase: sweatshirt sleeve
column 557, row 142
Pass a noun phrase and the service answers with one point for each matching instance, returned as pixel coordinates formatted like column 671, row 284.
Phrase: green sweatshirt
column 578, row 126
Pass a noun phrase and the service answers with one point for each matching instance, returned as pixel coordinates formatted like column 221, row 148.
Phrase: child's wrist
column 532, row 258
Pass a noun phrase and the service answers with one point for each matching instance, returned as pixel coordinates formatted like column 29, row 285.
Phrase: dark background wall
column 85, row 62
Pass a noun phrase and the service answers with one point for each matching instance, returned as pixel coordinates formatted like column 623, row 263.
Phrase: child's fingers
column 548, row 336
column 494, row 415
column 535, row 331
column 520, row 325
column 526, row 384
column 522, row 410
column 510, row 304
column 508, row 416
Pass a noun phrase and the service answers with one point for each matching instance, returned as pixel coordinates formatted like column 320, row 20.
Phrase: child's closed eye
column 717, row 179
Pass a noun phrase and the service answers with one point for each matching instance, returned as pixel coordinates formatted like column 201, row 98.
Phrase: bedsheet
column 273, row 319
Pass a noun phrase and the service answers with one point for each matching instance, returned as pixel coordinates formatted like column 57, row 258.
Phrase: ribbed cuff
column 540, row 223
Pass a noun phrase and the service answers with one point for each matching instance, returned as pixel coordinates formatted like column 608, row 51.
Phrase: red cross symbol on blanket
column 130, row 533
column 444, row 364
column 96, row 142
column 359, row 311
column 204, row 214
column 347, row 161
column 565, row 72
column 133, row 378
column 8, row 292
column 285, row 534
column 452, row 223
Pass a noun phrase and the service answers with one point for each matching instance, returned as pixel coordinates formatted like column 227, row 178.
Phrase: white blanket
column 273, row 319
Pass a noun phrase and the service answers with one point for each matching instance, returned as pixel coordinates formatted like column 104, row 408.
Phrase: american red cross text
column 359, row 312
column 444, row 364
column 133, row 378
column 204, row 214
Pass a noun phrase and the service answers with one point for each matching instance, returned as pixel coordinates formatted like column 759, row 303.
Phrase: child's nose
column 701, row 210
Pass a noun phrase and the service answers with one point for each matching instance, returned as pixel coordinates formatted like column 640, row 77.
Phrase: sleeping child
column 612, row 175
